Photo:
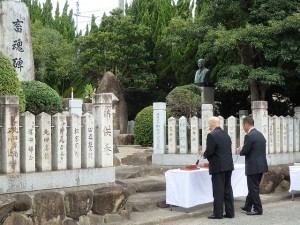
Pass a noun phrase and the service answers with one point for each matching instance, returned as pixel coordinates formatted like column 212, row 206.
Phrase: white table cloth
column 294, row 179
column 193, row 187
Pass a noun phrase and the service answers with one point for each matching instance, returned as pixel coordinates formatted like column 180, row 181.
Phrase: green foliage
column 9, row 82
column 54, row 58
column 143, row 127
column 41, row 98
column 185, row 101
column 89, row 91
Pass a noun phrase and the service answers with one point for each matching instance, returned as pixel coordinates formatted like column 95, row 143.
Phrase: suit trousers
column 222, row 193
column 253, row 198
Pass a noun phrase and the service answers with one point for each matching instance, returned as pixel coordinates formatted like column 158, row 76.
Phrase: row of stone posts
column 82, row 144
column 282, row 134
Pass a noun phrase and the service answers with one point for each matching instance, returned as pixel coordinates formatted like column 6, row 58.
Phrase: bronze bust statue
column 202, row 75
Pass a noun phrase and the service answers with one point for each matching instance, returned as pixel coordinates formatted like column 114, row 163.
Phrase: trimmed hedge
column 185, row 101
column 143, row 127
column 41, row 98
column 9, row 81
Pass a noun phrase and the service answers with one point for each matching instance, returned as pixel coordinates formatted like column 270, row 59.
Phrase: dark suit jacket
column 254, row 150
column 218, row 151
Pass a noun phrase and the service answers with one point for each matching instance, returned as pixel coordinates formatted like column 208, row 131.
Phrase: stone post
column 206, row 113
column 242, row 132
column 283, row 134
column 297, row 112
column 59, row 142
column 277, row 134
column 88, row 141
column 74, row 141
column 27, row 143
column 231, row 122
column 172, row 135
column 194, row 135
column 243, row 113
column 271, row 135
column 260, row 117
column 290, row 133
column 15, row 37
column 159, row 128
column 297, row 129
column 43, row 142
column 9, row 134
column 183, row 144
column 103, row 114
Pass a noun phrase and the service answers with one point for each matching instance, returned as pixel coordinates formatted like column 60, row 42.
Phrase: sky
column 87, row 8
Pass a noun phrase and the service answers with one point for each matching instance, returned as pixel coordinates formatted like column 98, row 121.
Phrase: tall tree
column 257, row 52
column 119, row 46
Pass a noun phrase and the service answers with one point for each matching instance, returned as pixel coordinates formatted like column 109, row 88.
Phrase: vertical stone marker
column 194, row 135
column 159, row 127
column 206, row 113
column 43, row 142
column 172, row 136
column 27, row 145
column 103, row 114
column 15, row 38
column 183, row 145
column 9, row 135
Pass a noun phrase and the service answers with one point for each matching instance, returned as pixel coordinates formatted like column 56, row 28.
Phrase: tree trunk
column 258, row 91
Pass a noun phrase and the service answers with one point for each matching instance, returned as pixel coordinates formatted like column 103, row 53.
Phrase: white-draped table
column 188, row 188
column 294, row 179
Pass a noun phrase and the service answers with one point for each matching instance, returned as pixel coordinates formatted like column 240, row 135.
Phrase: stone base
column 22, row 182
column 208, row 95
column 187, row 159
column 123, row 139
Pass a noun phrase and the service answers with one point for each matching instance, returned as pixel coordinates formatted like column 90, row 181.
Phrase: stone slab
column 19, row 182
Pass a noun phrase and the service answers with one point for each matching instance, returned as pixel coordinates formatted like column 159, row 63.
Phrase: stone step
column 144, row 184
column 147, row 201
column 129, row 171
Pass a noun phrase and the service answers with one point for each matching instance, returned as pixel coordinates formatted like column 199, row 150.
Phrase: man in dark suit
column 254, row 150
column 219, row 155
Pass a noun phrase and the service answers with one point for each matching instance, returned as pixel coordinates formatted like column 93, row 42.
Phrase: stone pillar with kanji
column 15, row 37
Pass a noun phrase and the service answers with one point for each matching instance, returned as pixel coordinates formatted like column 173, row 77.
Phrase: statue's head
column 201, row 63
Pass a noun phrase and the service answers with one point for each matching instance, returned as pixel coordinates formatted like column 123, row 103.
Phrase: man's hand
column 201, row 152
column 238, row 150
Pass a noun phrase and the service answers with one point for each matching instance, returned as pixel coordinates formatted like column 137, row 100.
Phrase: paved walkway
column 285, row 212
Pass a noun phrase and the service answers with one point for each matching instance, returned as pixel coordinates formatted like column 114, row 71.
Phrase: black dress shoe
column 245, row 209
column 227, row 216
column 253, row 213
column 214, row 217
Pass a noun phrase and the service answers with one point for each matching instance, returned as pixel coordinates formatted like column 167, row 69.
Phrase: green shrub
column 41, row 98
column 143, row 127
column 9, row 81
column 185, row 101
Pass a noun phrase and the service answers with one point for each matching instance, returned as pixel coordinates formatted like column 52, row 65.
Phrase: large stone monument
column 15, row 38
column 202, row 79
column 110, row 84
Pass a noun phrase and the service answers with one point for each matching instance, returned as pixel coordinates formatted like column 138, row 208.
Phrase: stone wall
column 66, row 207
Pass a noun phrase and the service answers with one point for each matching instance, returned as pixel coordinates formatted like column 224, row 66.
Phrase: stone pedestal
column 15, row 38
column 208, row 95
column 75, row 106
